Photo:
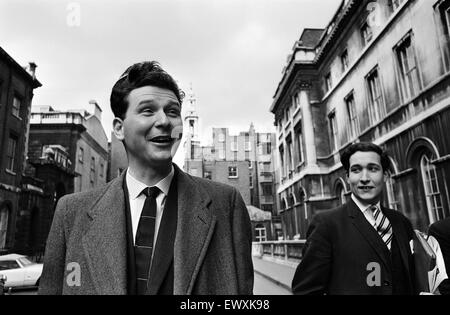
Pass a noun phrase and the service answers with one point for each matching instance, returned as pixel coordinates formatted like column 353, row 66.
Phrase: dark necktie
column 143, row 248
column 383, row 226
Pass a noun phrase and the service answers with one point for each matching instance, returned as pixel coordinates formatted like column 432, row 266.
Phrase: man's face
column 152, row 125
column 366, row 177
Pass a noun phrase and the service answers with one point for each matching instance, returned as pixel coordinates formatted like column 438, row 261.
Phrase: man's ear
column 118, row 128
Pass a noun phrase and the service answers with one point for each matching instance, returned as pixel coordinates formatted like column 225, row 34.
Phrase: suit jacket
column 441, row 231
column 212, row 246
column 340, row 247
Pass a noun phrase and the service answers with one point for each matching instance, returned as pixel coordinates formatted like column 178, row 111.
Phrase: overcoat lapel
column 401, row 237
column 163, row 256
column 105, row 241
column 194, row 231
column 368, row 232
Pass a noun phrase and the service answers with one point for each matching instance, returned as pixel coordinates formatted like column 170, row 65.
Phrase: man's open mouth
column 365, row 188
column 162, row 139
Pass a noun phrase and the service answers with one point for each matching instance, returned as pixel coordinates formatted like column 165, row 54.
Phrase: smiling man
column 360, row 247
column 154, row 229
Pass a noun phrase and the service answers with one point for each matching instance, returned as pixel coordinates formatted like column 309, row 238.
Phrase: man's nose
column 161, row 118
column 364, row 176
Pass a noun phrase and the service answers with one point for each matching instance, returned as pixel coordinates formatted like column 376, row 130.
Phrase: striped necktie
column 382, row 225
column 143, row 248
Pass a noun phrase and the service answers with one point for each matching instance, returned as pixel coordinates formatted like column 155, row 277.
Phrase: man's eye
column 174, row 112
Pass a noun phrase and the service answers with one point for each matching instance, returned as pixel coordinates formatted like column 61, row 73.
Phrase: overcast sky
column 231, row 51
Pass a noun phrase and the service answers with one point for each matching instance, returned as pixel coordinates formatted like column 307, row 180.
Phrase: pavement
column 279, row 273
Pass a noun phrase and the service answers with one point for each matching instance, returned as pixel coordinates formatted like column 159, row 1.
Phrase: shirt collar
column 362, row 206
column 135, row 187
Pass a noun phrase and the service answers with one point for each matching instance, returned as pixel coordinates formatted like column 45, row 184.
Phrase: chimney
column 31, row 69
column 97, row 111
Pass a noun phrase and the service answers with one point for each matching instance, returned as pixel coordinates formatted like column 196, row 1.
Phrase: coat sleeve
column 242, row 243
column 313, row 272
column 51, row 282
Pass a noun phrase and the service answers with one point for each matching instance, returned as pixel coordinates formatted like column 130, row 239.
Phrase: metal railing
column 284, row 250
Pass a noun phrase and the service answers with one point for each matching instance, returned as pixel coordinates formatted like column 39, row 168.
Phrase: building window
column 232, row 172
column 102, row 169
column 409, row 74
column 234, row 144
column 4, row 217
column 390, row 189
column 81, row 155
column 11, row 153
column 333, row 130
column 191, row 127
column 208, row 175
column 17, row 103
column 250, row 165
column 432, row 191
column 92, row 173
column 283, row 169
column 296, row 100
column 221, row 137
column 260, row 231
column 290, row 162
column 221, row 154
column 250, row 179
column 265, row 148
column 395, row 4
column 444, row 9
column 344, row 60
column 287, row 115
column 298, row 142
column 248, row 146
column 353, row 125
column 376, row 103
column 340, row 193
column 328, row 83
column 267, row 189
column 366, row 34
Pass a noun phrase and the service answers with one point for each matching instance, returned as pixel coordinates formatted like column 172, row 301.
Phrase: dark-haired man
column 360, row 247
column 155, row 229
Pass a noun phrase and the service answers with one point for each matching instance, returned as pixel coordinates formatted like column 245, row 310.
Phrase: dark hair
column 139, row 75
column 364, row 147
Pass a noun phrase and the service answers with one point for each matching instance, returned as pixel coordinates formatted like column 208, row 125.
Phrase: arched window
column 391, row 188
column 432, row 191
column 260, row 233
column 340, row 191
column 4, row 216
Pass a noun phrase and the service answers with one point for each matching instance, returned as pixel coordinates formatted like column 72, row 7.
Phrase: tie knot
column 151, row 191
column 374, row 209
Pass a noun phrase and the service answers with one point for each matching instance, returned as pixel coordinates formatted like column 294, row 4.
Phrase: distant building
column 244, row 161
column 81, row 135
column 380, row 72
column 16, row 94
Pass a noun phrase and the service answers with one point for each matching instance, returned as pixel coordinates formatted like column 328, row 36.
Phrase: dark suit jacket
column 212, row 247
column 441, row 231
column 340, row 246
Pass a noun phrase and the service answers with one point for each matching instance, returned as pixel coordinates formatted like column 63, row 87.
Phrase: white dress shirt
column 365, row 209
column 137, row 199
